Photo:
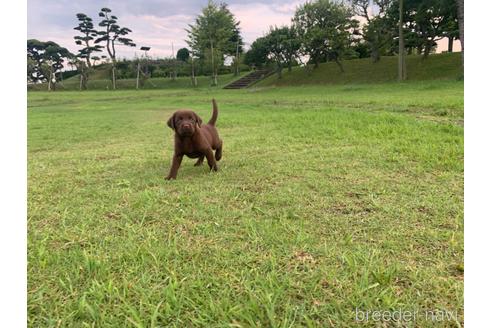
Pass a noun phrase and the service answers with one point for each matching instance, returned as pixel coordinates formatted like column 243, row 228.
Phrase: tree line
column 45, row 59
column 320, row 31
column 325, row 30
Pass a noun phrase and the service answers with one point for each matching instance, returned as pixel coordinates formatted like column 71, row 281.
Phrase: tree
column 326, row 30
column 452, row 30
column 183, row 54
column 433, row 20
column 235, row 43
column 376, row 32
column 461, row 23
column 55, row 55
column 362, row 49
column 45, row 60
column 277, row 43
column 112, row 34
column 215, row 34
column 35, row 61
column 31, row 70
column 257, row 55
column 425, row 22
column 292, row 46
column 86, row 28
column 402, row 68
column 193, row 75
column 280, row 47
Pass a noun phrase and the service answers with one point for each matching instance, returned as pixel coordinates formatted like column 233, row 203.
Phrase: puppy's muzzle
column 186, row 130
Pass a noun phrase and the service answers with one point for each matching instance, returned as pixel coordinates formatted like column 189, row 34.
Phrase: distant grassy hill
column 435, row 67
column 100, row 80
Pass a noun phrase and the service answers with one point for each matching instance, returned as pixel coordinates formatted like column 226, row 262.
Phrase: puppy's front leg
column 211, row 160
column 175, row 166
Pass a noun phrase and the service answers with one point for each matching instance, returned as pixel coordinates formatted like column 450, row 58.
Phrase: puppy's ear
column 170, row 122
column 198, row 119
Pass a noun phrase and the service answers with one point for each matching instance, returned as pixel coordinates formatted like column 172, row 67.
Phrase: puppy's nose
column 187, row 126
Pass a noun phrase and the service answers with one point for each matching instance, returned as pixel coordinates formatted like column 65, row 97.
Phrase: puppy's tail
column 215, row 113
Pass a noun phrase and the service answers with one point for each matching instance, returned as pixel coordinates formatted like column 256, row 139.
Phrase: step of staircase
column 249, row 79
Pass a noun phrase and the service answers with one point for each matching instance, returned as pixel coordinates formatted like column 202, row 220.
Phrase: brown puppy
column 194, row 140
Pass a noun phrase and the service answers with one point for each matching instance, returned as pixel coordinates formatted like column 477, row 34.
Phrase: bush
column 159, row 73
column 68, row 74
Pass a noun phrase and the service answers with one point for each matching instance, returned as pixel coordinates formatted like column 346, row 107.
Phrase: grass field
column 328, row 199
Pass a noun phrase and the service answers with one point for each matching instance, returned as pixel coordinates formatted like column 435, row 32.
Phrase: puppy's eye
column 179, row 118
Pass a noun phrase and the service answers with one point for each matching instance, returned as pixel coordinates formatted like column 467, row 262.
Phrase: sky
column 159, row 24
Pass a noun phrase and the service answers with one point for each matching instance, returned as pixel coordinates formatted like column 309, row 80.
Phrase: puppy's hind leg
column 200, row 160
column 211, row 160
column 218, row 151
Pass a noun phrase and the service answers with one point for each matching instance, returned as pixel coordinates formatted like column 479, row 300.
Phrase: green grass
column 435, row 67
column 328, row 199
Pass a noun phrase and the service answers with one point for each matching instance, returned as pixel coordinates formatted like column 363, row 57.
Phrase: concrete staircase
column 249, row 79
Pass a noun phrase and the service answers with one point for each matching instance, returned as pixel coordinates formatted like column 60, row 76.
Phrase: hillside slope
column 98, row 82
column 435, row 67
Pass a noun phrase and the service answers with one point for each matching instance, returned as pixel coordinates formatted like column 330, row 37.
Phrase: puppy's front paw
column 170, row 178
column 214, row 168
